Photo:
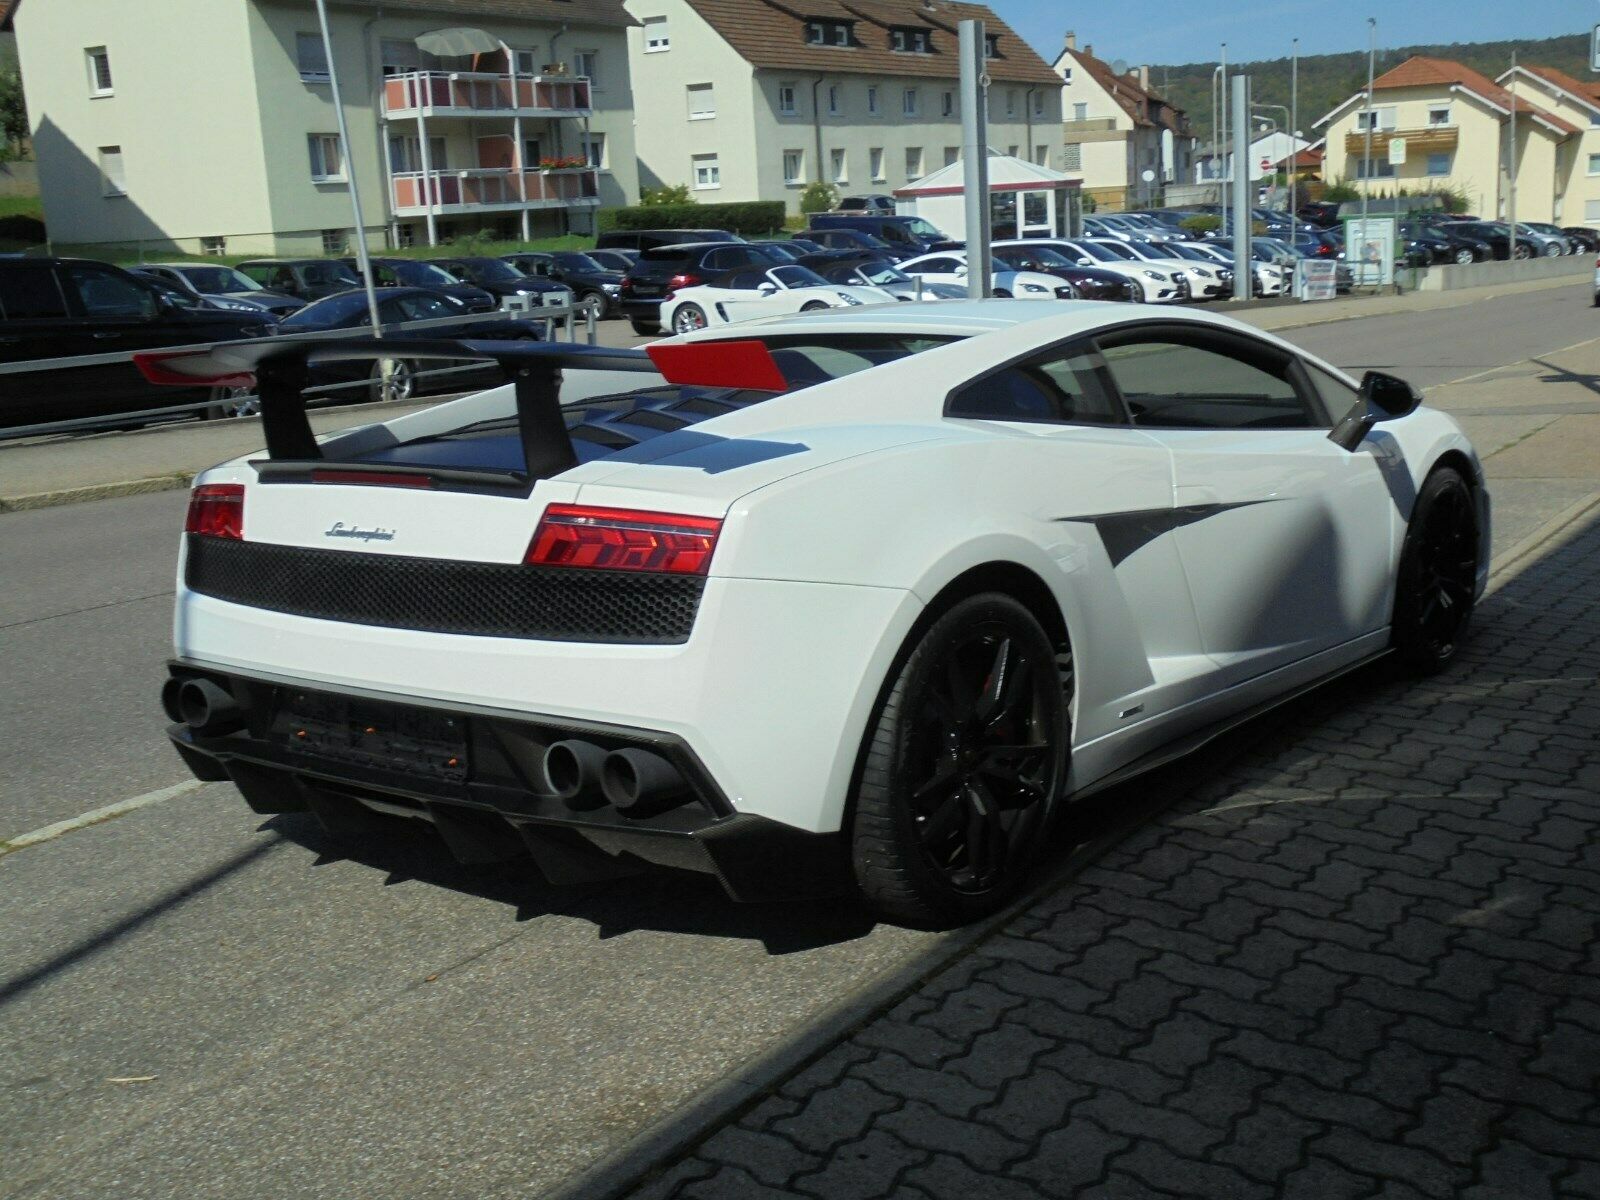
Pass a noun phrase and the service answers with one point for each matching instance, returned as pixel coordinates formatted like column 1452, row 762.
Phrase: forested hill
column 1326, row 79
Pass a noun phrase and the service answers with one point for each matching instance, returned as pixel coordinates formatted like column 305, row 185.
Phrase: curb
column 96, row 491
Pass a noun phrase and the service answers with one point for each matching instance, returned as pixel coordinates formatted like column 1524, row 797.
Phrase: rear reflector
column 216, row 510
column 623, row 539
column 189, row 368
column 732, row 364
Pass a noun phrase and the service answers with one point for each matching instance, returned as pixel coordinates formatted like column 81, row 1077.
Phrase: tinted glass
column 28, row 291
column 797, row 277
column 1170, row 385
column 105, row 294
column 809, row 359
column 1337, row 396
column 420, row 307
column 329, row 272
column 578, row 262
column 421, row 274
column 217, row 279
column 1056, row 387
column 330, row 313
column 745, row 281
column 492, row 270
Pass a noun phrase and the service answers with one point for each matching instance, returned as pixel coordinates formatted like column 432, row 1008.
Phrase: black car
column 1498, row 237
column 397, row 305
column 1091, row 283
column 649, row 239
column 306, row 279
column 1452, row 229
column 661, row 271
column 67, row 307
column 228, row 283
column 501, row 279
column 614, row 259
column 873, row 202
column 1588, row 241
column 594, row 288
column 414, row 272
column 852, row 239
column 1322, row 213
column 1422, row 247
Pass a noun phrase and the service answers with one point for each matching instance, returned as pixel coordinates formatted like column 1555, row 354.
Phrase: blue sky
column 1181, row 33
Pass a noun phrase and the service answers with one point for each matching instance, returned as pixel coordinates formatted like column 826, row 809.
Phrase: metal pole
column 350, row 171
column 1216, row 92
column 1222, row 138
column 1372, row 52
column 975, row 155
column 1511, row 166
column 1243, row 266
column 1294, row 132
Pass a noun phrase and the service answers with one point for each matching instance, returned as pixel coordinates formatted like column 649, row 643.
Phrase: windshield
column 783, row 252
column 1118, row 250
column 877, row 271
column 333, row 311
column 495, row 271
column 218, row 279
column 1179, row 250
column 572, row 261
column 421, row 274
column 329, row 272
column 924, row 230
column 1045, row 255
column 797, row 277
column 1097, row 252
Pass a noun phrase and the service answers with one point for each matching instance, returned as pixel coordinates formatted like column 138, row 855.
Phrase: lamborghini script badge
column 340, row 530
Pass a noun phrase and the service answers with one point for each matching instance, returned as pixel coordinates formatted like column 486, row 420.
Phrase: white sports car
column 752, row 292
column 858, row 599
column 950, row 266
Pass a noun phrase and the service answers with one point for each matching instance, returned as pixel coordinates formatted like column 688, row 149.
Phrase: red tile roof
column 1585, row 91
column 1421, row 71
column 1144, row 106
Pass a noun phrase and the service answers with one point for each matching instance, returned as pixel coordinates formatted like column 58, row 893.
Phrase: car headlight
column 611, row 287
column 1154, row 275
column 848, row 299
column 1034, row 287
column 1203, row 272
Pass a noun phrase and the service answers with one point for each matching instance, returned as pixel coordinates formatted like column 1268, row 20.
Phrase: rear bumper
column 491, row 803
column 640, row 310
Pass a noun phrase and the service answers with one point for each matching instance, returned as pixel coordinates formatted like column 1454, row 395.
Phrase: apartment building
column 754, row 99
column 1454, row 126
column 207, row 126
column 1576, row 187
column 1120, row 138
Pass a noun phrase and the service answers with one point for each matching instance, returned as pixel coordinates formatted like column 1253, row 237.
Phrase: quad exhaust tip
column 202, row 705
column 640, row 784
column 572, row 772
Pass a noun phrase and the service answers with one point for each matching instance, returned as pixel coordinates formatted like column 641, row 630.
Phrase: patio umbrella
column 458, row 42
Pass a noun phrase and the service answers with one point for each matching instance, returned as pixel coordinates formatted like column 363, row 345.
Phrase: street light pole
column 1294, row 130
column 1372, row 54
column 350, row 170
column 1511, row 165
column 1222, row 140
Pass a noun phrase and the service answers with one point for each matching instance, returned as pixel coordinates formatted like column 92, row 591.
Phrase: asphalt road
column 197, row 1001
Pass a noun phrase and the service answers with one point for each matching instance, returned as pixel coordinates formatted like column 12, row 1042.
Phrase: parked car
column 648, row 239
column 853, row 239
column 663, row 270
column 418, row 273
column 305, row 279
column 1205, row 282
column 904, row 235
column 1464, row 248
column 593, row 287
column 1322, row 213
column 872, row 203
column 867, row 270
column 1197, row 254
column 70, row 307
column 1555, row 233
column 223, row 283
column 1550, row 241
column 1422, row 247
column 501, row 279
column 1159, row 284
column 1498, row 236
column 762, row 291
column 950, row 266
column 1125, row 227
column 1090, row 283
column 1587, row 239
column 614, row 259
column 1269, row 279
column 396, row 378
column 1597, row 282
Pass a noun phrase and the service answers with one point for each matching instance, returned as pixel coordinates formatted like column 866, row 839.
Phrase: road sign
column 1594, row 49
column 1266, row 163
column 1397, row 151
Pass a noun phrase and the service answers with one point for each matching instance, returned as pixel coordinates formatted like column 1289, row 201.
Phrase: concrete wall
column 1484, row 274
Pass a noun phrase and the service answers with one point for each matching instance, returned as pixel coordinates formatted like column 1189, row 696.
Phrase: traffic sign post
column 1594, row 50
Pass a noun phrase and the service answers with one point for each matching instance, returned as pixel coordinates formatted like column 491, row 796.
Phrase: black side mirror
column 1382, row 398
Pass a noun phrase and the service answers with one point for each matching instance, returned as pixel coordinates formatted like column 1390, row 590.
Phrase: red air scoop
column 746, row 364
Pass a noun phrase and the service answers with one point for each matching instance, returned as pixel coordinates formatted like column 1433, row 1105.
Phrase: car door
column 1286, row 539
column 35, row 325
column 117, row 314
column 1104, row 489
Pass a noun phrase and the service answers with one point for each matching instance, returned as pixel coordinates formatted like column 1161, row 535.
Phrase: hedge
column 754, row 217
column 22, row 228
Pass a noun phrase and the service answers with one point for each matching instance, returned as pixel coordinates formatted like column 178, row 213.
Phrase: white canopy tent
column 1025, row 199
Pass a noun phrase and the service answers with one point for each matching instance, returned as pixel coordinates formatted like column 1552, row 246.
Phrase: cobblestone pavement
column 1361, row 960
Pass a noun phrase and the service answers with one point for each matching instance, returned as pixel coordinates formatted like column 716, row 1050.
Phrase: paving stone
column 943, row 1087
column 1071, row 1161
column 944, row 1177
column 837, row 1115
column 922, row 1126
column 770, row 1159
column 1034, row 1104
column 864, row 1169
column 1159, row 1167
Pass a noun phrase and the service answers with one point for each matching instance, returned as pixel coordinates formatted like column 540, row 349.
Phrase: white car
column 752, row 292
column 858, row 600
column 950, row 266
column 1206, row 282
column 1271, row 279
column 1160, row 285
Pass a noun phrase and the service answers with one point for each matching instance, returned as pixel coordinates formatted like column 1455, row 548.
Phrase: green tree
column 818, row 197
column 13, row 114
column 675, row 194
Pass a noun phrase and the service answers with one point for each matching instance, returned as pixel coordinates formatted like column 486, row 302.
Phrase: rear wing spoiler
column 279, row 372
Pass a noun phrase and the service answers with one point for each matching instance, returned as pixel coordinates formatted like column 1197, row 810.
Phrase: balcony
column 1089, row 125
column 451, row 193
column 477, row 94
column 1433, row 139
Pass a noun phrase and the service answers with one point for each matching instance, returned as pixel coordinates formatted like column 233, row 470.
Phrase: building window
column 991, row 46
column 1011, row 102
column 1594, row 164
column 913, row 162
column 909, row 41
column 1012, row 149
column 99, row 63
column 1041, row 155
column 1080, row 112
column 835, row 98
column 787, row 105
column 841, row 171
column 327, row 161
column 1072, row 156
column 1439, row 164
column 1377, row 168
column 952, row 155
column 872, row 100
column 1439, row 114
column 702, row 101
column 1038, row 104
column 875, row 161
column 585, row 65
column 1066, row 74
column 794, row 167
column 707, row 171
column 333, row 241
column 526, row 61
column 947, row 104
column 213, row 247
column 112, row 180
column 1377, row 118
column 594, row 149
column 908, row 102
column 405, row 236
column 656, row 36
column 310, row 55
column 828, row 33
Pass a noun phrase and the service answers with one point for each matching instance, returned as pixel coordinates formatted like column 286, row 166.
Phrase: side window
column 746, row 281
column 1337, row 396
column 1053, row 387
column 104, row 294
column 389, row 312
column 261, row 275
column 29, row 292
column 283, row 279
column 1171, row 384
column 423, row 308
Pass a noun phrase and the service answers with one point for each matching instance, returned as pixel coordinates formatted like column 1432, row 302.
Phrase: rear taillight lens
column 687, row 279
column 623, row 539
column 627, row 283
column 216, row 510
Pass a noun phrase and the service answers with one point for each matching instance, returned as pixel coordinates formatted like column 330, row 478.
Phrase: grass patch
column 21, row 206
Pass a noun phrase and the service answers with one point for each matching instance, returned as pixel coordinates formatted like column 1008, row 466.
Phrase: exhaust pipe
column 206, row 707
column 169, row 699
column 640, row 784
column 572, row 772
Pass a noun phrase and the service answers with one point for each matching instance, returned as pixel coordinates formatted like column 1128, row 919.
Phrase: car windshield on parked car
column 795, row 276
column 420, row 274
column 329, row 272
column 492, row 270
column 218, row 280
column 347, row 307
column 571, row 260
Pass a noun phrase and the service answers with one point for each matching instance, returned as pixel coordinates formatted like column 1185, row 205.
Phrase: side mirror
column 961, row 269
column 1382, row 398
column 768, row 288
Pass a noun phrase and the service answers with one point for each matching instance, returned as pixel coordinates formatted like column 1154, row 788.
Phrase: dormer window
column 828, row 33
column 909, row 39
column 991, row 45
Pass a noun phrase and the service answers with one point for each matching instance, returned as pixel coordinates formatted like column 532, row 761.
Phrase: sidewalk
column 1360, row 961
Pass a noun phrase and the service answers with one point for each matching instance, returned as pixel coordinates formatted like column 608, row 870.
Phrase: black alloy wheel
column 1463, row 255
column 962, row 766
column 1438, row 577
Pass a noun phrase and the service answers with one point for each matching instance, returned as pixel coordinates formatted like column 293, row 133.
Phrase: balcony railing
column 475, row 93
column 414, row 192
column 1090, row 125
column 1432, row 139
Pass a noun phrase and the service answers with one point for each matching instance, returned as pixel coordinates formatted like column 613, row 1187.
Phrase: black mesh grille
column 443, row 596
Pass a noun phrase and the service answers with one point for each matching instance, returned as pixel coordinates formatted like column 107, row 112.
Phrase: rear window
column 28, row 291
column 665, row 254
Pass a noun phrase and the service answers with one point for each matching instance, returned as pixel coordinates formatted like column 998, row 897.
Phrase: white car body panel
column 1159, row 282
column 728, row 306
column 1204, row 281
column 1019, row 285
column 857, row 503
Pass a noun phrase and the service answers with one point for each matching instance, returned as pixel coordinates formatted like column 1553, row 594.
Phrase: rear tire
column 1438, row 577
column 393, row 379
column 688, row 318
column 813, row 306
column 1001, row 294
column 961, row 766
column 645, row 328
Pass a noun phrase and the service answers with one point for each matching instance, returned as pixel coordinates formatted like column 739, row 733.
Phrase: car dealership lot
column 289, row 1021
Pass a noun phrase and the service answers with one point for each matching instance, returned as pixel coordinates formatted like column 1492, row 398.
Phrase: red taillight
column 627, row 283
column 216, row 510
column 623, row 539
column 687, row 279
